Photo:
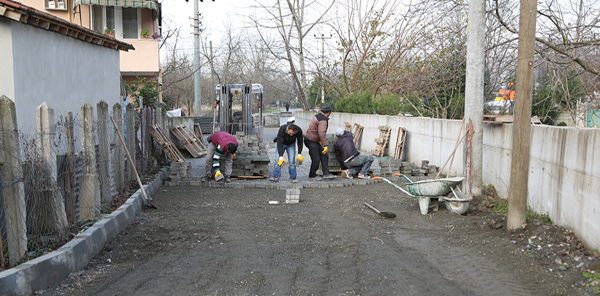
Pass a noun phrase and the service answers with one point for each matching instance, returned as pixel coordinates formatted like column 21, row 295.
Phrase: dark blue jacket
column 344, row 147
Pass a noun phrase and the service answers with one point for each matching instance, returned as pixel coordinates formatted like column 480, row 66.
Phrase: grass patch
column 494, row 203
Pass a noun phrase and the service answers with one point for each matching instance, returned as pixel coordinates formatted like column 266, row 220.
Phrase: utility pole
column 517, row 195
column 212, row 77
column 474, row 97
column 323, row 37
column 197, row 88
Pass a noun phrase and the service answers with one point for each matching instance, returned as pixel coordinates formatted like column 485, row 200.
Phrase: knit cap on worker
column 339, row 132
column 326, row 108
column 231, row 148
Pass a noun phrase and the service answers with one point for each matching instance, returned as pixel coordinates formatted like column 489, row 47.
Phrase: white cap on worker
column 292, row 119
column 339, row 131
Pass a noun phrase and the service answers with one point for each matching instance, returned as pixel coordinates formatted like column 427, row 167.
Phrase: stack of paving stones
column 412, row 169
column 333, row 163
column 292, row 196
column 389, row 166
column 180, row 173
column 251, row 157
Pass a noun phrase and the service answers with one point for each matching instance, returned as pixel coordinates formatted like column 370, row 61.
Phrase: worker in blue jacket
column 349, row 157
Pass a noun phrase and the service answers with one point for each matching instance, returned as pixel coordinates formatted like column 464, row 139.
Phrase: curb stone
column 50, row 269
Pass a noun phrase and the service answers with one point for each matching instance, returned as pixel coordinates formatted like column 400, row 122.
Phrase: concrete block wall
column 564, row 169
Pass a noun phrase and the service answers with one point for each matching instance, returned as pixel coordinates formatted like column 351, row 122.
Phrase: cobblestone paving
column 284, row 182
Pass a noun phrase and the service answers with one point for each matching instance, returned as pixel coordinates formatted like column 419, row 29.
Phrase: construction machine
column 224, row 119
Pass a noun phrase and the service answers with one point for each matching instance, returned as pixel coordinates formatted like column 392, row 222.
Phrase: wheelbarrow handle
column 402, row 189
column 405, row 177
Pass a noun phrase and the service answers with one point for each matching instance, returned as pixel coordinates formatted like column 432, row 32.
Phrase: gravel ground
column 221, row 241
column 227, row 241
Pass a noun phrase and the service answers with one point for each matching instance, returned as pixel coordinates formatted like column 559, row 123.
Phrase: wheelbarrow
column 436, row 189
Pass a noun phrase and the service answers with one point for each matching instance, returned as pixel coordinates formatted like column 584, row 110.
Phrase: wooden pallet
column 165, row 143
column 198, row 133
column 382, row 141
column 400, row 143
column 189, row 140
column 357, row 131
column 348, row 126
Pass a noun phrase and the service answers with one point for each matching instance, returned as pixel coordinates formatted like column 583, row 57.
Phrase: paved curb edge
column 53, row 267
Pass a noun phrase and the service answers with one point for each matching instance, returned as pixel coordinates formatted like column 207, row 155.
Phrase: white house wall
column 564, row 167
column 63, row 71
column 6, row 70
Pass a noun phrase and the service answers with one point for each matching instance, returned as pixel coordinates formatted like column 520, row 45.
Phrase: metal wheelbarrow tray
column 426, row 190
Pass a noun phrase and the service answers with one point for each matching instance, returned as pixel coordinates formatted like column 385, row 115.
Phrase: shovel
column 385, row 215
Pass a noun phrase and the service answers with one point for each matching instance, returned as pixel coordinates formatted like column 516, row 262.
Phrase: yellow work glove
column 233, row 156
column 218, row 175
column 324, row 150
column 281, row 161
column 299, row 158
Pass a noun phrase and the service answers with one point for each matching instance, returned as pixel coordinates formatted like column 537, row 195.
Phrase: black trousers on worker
column 316, row 158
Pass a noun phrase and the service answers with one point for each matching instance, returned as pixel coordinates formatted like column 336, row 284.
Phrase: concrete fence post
column 130, row 137
column 13, row 190
column 54, row 218
column 89, row 186
column 118, row 155
column 146, row 141
column 103, row 152
column 70, row 176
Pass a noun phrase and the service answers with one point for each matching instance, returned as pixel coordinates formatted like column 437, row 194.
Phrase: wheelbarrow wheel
column 459, row 207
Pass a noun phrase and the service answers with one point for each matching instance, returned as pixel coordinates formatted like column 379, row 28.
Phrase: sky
column 214, row 16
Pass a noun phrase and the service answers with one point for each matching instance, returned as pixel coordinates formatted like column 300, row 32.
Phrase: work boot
column 330, row 176
column 274, row 179
column 315, row 178
column 205, row 179
column 361, row 176
column 294, row 180
column 227, row 179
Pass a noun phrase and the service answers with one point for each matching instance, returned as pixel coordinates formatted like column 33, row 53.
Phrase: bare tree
column 292, row 22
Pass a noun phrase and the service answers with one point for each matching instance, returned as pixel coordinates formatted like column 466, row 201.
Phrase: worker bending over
column 220, row 144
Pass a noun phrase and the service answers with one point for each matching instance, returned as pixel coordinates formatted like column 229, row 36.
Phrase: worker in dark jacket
column 316, row 142
column 220, row 144
column 287, row 137
column 349, row 157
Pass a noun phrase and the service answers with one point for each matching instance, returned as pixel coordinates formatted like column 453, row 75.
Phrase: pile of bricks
column 179, row 172
column 292, row 196
column 389, row 166
column 251, row 157
column 412, row 169
column 333, row 163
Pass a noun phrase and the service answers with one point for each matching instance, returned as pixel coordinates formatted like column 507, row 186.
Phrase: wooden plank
column 400, row 143
column 198, row 133
column 348, row 127
column 165, row 143
column 357, row 132
column 382, row 141
column 236, row 177
column 194, row 140
column 187, row 142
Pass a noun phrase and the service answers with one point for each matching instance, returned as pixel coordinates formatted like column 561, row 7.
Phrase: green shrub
column 361, row 103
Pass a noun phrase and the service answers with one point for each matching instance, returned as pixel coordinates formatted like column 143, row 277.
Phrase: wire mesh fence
column 60, row 180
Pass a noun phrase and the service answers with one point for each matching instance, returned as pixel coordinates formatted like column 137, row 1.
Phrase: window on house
column 124, row 21
column 130, row 23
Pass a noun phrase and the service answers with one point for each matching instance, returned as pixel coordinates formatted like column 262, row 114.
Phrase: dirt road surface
column 225, row 241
